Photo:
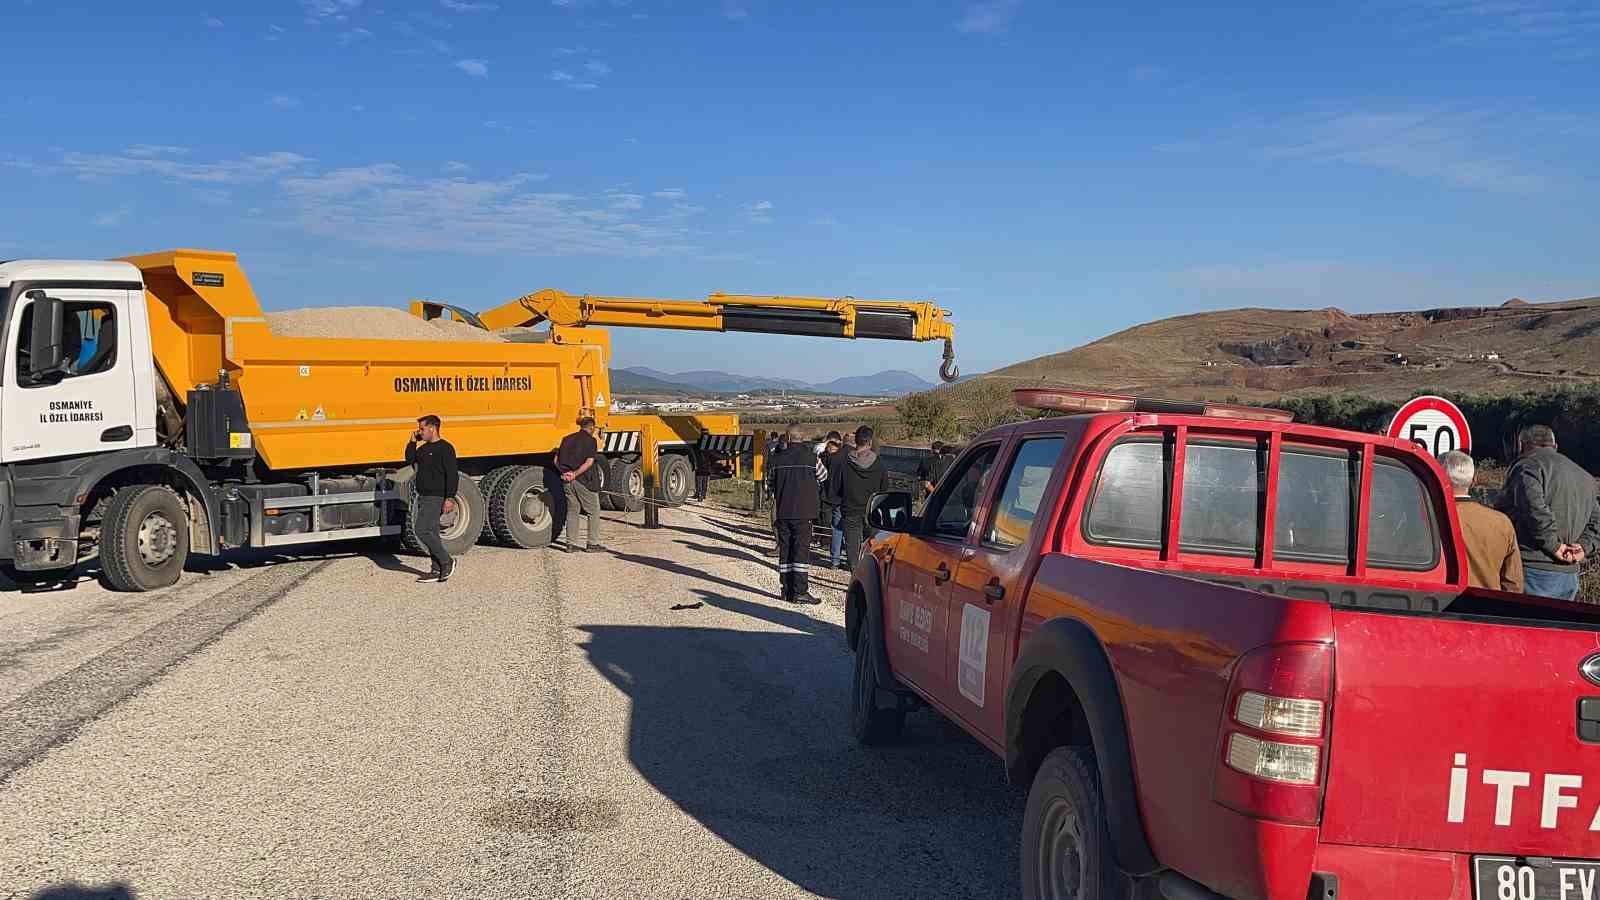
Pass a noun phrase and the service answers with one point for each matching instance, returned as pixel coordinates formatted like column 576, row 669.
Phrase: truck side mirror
column 46, row 347
column 890, row 511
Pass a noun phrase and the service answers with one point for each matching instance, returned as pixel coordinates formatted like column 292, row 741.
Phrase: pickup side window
column 1401, row 534
column 1314, row 512
column 959, row 492
column 1221, row 498
column 1128, row 506
column 1018, row 506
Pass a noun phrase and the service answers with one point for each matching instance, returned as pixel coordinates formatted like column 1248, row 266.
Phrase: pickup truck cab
column 1234, row 656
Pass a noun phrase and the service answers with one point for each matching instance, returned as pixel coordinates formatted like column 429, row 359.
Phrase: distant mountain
column 628, row 381
column 883, row 384
column 888, row 383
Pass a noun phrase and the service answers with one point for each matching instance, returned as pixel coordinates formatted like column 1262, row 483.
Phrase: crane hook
column 948, row 370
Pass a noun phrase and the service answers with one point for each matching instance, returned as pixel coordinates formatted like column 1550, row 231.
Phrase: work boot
column 806, row 600
column 595, row 548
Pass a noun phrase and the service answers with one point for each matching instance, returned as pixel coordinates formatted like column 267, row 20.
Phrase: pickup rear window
column 1225, row 496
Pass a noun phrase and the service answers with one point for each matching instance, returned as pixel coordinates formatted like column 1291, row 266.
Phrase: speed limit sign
column 1434, row 424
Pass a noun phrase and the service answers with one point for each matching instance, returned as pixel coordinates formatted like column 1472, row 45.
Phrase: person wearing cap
column 578, row 460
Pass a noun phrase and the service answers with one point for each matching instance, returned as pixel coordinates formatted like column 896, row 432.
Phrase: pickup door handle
column 941, row 574
column 117, row 434
column 994, row 591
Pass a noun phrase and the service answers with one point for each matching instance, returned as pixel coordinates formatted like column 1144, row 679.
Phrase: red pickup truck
column 1234, row 656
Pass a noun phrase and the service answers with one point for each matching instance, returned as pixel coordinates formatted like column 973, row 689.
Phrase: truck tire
column 625, row 484
column 486, row 486
column 144, row 538
column 1066, row 850
column 871, row 722
column 519, row 512
column 460, row 530
column 677, row 479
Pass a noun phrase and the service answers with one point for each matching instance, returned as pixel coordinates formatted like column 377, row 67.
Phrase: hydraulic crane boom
column 843, row 317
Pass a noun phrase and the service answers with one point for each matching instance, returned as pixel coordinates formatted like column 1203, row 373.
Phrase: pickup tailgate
column 1462, row 735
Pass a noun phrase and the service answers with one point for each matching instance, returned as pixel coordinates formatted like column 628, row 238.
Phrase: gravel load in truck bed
column 382, row 323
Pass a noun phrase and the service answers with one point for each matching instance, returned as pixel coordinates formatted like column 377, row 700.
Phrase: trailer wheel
column 627, row 485
column 677, row 479
column 459, row 530
column 144, row 538
column 486, row 486
column 1066, row 851
column 519, row 511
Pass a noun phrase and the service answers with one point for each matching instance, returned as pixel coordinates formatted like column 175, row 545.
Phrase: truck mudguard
column 60, row 482
column 1070, row 649
column 870, row 616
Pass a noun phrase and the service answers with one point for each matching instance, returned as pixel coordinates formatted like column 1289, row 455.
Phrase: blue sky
column 1050, row 172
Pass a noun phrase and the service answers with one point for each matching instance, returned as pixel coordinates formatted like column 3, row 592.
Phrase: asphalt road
column 647, row 722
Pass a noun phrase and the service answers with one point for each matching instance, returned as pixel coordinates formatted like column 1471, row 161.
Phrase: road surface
column 647, row 722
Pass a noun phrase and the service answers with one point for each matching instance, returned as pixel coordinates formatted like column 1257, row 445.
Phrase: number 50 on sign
column 1432, row 423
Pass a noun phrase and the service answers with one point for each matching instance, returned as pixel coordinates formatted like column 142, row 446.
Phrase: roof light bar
column 1070, row 401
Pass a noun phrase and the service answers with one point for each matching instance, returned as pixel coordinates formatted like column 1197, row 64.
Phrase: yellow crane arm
column 842, row 317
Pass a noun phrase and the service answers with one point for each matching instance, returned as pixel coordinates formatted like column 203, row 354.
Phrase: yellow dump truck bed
column 322, row 403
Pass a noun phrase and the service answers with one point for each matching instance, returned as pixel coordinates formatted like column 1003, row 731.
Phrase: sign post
column 1432, row 423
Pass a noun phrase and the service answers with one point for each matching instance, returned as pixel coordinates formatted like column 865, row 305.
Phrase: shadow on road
column 117, row 890
column 689, row 572
column 746, row 732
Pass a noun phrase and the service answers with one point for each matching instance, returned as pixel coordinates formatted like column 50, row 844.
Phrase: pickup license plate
column 1507, row 878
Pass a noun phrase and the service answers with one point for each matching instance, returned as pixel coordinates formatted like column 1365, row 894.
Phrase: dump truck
column 148, row 411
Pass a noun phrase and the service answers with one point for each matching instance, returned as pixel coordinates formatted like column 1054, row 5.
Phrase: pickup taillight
column 1273, row 752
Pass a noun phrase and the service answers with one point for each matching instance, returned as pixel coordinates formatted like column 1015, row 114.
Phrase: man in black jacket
column 1551, row 501
column 436, row 482
column 856, row 475
column 793, row 476
column 828, row 534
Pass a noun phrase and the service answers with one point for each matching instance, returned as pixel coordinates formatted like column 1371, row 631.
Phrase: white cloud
column 275, row 31
column 1566, row 29
column 988, row 17
column 462, row 6
column 671, row 194
column 759, row 213
column 149, row 150
column 358, row 108
column 761, row 205
column 213, row 22
column 477, row 68
column 320, row 11
column 625, row 201
column 571, row 51
column 638, row 17
column 105, row 166
column 584, row 86
column 284, row 102
column 453, row 167
column 598, row 68
column 734, row 11
column 355, row 34
column 111, row 217
column 560, row 76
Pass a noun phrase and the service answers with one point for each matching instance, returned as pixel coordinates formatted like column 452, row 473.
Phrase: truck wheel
column 459, row 530
column 677, row 479
column 872, row 723
column 1066, row 852
column 486, row 486
column 625, row 482
column 518, row 510
column 144, row 538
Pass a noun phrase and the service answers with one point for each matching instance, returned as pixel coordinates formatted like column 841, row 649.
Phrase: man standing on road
column 436, row 481
column 828, row 533
column 855, row 477
column 794, row 502
column 932, row 468
column 1551, row 501
column 1493, row 560
column 577, row 459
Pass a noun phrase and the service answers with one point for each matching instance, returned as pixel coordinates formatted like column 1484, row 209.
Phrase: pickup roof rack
column 1073, row 401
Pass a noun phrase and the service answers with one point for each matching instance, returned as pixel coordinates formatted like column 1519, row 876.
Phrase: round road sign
column 1432, row 423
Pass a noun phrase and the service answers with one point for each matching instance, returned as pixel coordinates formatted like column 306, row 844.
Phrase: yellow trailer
column 149, row 411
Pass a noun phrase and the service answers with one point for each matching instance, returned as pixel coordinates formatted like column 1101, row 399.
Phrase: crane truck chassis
column 147, row 411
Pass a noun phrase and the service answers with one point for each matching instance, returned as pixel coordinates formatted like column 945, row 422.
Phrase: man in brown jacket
column 1493, row 560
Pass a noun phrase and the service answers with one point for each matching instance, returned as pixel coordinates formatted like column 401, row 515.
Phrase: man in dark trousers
column 1551, row 501
column 436, row 481
column 855, row 477
column 577, row 459
column 793, row 472
column 828, row 534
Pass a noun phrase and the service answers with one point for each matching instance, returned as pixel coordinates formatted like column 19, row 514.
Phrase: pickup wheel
column 872, row 723
column 1066, row 852
column 144, row 538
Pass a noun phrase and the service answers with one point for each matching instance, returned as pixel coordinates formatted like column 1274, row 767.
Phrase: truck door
column 88, row 407
column 987, row 594
column 924, row 565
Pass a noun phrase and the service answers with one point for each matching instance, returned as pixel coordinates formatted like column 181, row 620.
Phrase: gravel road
column 647, row 722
